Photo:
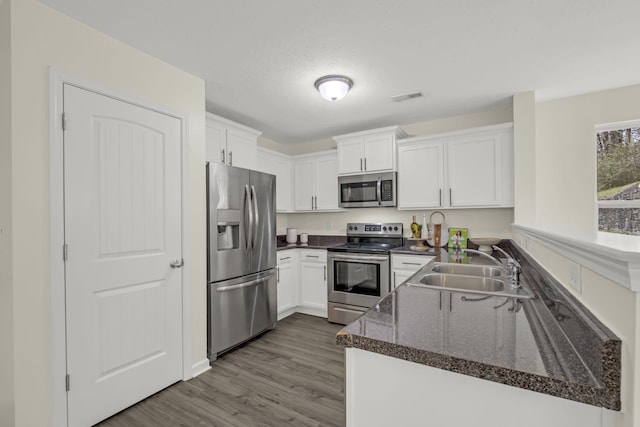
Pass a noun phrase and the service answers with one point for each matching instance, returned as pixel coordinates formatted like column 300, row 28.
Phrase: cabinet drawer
column 409, row 262
column 286, row 257
column 309, row 255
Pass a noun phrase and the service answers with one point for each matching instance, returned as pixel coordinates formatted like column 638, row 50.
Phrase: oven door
column 357, row 279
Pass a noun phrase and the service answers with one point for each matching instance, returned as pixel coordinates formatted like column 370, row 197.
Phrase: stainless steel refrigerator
column 241, row 249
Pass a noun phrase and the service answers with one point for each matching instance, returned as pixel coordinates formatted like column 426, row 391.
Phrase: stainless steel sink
column 473, row 278
column 467, row 269
column 463, row 283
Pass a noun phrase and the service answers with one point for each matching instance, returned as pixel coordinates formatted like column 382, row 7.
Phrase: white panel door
column 379, row 153
column 123, row 229
column 326, row 179
column 474, row 165
column 303, row 184
column 420, row 175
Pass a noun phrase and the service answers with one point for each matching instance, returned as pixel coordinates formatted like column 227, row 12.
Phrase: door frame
column 58, row 360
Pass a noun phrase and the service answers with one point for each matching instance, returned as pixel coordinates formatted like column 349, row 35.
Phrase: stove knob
column 384, row 228
column 350, row 228
column 355, row 228
column 395, row 228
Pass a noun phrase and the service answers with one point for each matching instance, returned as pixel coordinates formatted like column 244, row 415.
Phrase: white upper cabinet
column 315, row 181
column 279, row 165
column 421, row 176
column 368, row 151
column 231, row 143
column 471, row 168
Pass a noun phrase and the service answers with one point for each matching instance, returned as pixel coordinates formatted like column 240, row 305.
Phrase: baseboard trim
column 320, row 312
column 200, row 367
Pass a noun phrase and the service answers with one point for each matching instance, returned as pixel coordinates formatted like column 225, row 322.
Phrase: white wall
column 44, row 38
column 6, row 292
column 480, row 222
column 565, row 185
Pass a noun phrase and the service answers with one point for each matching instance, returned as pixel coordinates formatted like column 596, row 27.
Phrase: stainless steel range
column 359, row 270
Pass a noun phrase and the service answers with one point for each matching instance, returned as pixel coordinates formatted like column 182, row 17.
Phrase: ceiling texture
column 260, row 58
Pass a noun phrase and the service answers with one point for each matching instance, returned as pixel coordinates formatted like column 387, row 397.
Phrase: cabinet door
column 399, row 276
column 286, row 287
column 379, row 153
column 281, row 168
column 303, row 181
column 421, row 175
column 313, row 293
column 216, row 141
column 474, row 166
column 241, row 149
column 326, row 183
column 350, row 156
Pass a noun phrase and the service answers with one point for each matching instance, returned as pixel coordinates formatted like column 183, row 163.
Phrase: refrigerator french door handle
column 256, row 218
column 244, row 285
column 248, row 214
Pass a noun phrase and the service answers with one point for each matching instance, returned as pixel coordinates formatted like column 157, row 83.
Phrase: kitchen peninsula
column 460, row 358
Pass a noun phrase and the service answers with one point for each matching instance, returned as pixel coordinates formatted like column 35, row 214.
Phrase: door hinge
column 65, row 252
column 67, row 382
column 64, row 121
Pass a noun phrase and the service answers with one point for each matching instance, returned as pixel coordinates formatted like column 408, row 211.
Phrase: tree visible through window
column 619, row 180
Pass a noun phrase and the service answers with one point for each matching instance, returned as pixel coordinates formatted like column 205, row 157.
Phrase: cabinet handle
column 360, row 163
column 450, row 197
column 285, row 258
column 223, row 158
column 230, row 158
column 365, row 163
column 440, row 300
column 395, row 285
column 311, row 202
column 440, row 197
column 325, row 272
column 411, row 263
column 278, row 276
column 312, row 256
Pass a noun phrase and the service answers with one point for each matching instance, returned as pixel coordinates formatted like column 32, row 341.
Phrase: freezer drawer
column 240, row 309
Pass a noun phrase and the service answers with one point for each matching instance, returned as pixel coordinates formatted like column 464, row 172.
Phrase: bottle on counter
column 415, row 229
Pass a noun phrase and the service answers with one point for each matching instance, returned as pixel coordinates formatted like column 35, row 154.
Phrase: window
column 618, row 152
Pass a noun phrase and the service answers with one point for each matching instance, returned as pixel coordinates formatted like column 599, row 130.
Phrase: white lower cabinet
column 404, row 266
column 302, row 282
column 419, row 395
column 287, row 271
column 313, row 282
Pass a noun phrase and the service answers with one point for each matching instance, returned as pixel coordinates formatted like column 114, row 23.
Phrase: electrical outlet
column 526, row 243
column 575, row 276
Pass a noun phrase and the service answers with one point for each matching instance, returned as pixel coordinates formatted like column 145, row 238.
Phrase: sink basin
column 467, row 270
column 463, row 283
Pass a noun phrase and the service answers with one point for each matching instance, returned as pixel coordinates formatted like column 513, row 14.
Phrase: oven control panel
column 374, row 229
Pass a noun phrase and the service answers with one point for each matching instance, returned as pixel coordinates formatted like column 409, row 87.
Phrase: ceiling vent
column 404, row 97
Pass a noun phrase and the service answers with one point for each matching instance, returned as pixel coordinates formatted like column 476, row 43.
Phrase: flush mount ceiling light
column 333, row 87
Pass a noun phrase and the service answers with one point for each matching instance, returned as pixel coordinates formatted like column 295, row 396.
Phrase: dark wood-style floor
column 291, row 376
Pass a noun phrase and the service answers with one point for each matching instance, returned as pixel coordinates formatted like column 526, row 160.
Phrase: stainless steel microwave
column 367, row 190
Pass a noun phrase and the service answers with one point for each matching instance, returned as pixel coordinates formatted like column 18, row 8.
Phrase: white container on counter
column 292, row 235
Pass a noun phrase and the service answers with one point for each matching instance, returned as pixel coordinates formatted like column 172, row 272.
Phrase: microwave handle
column 379, row 191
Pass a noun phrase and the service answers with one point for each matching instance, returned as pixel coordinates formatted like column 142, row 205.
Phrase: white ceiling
column 260, row 58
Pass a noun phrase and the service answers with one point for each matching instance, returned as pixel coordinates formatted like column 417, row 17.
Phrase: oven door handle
column 358, row 257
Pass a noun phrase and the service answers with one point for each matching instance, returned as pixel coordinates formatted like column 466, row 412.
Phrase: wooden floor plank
column 293, row 375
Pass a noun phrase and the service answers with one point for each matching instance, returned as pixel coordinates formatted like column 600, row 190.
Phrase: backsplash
column 480, row 222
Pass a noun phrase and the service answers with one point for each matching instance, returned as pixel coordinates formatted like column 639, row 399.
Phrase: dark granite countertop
column 549, row 344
